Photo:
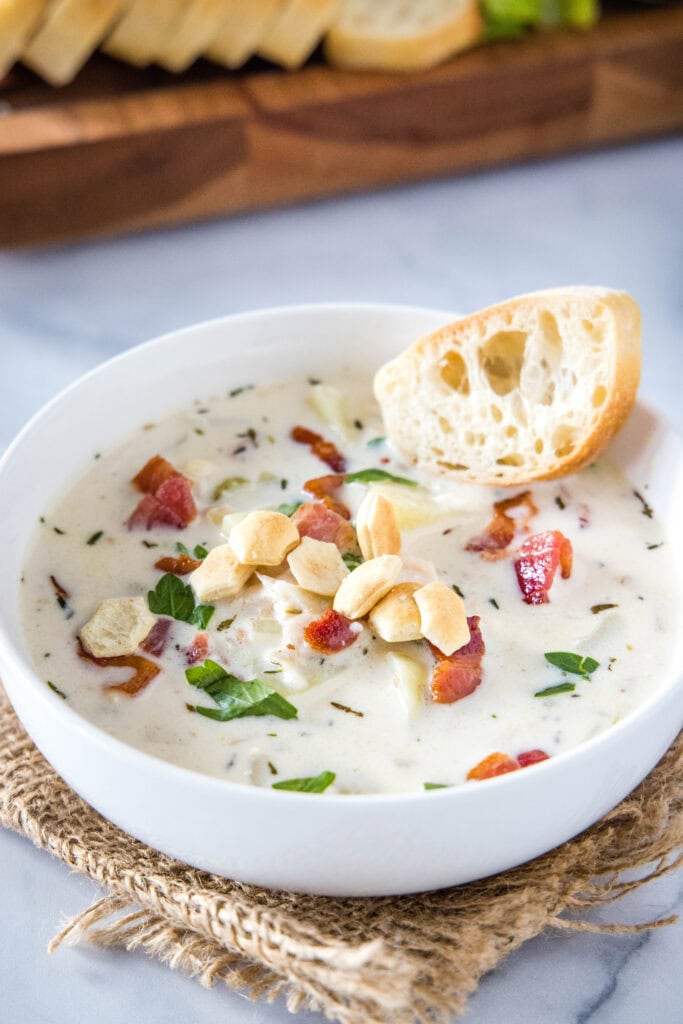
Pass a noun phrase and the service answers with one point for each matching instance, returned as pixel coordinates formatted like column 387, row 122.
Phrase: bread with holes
column 531, row 389
column 297, row 30
column 392, row 35
column 66, row 38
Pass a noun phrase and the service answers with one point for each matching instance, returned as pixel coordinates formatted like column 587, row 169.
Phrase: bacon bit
column 198, row 649
column 179, row 566
column 168, row 498
column 60, row 591
column 155, row 641
column 584, row 516
column 324, row 524
column 500, row 532
column 326, row 451
column 330, row 633
column 153, row 474
column 323, row 488
column 458, row 675
column 493, row 765
column 537, row 563
column 530, row 757
column 143, row 674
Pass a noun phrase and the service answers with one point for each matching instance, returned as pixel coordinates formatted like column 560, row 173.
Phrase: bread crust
column 600, row 348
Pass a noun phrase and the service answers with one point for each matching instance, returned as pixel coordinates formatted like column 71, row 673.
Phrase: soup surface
column 357, row 719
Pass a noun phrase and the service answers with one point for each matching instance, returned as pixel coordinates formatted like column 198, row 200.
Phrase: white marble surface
column 612, row 218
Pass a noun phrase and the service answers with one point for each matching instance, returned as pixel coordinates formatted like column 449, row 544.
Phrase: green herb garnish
column 229, row 484
column 238, row 391
column 173, row 597
column 200, row 551
column 646, row 508
column 550, row 691
column 375, row 442
column 458, row 591
column 348, row 710
column 225, row 624
column 351, row 561
column 579, row 665
column 315, row 784
column 55, row 689
column 150, row 544
column 288, row 509
column 597, row 608
column 493, row 602
column 366, row 476
column 93, row 539
column 236, row 698
column 435, row 785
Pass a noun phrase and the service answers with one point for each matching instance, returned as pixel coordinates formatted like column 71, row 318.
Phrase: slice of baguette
column 294, row 35
column 246, row 24
column 70, row 32
column 188, row 37
column 531, row 389
column 391, row 35
column 18, row 20
column 137, row 36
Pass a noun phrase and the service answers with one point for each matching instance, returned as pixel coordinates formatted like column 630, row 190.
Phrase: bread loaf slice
column 137, row 35
column 70, row 32
column 246, row 24
column 531, row 389
column 188, row 36
column 18, row 20
column 392, row 35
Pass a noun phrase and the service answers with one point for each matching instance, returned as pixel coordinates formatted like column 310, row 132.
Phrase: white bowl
column 340, row 845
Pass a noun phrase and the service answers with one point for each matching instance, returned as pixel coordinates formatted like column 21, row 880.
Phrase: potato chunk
column 118, row 627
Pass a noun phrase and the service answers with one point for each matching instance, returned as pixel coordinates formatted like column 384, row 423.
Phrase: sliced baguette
column 294, row 35
column 70, row 32
column 391, row 35
column 246, row 24
column 531, row 389
column 138, row 34
column 18, row 20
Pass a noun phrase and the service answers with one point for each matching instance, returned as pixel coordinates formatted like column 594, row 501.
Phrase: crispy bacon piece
column 494, row 764
column 530, row 757
column 323, row 488
column 321, row 523
column 459, row 674
column 143, row 674
column 168, row 498
column 500, row 532
column 153, row 474
column 537, row 562
column 326, row 451
column 156, row 640
column 198, row 649
column 179, row 566
column 330, row 633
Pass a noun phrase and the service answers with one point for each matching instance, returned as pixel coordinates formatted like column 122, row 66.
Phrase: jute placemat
column 393, row 960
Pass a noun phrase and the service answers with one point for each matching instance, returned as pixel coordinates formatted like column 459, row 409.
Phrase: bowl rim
column 20, row 665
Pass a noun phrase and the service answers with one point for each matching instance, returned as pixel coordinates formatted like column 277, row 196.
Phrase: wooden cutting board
column 120, row 150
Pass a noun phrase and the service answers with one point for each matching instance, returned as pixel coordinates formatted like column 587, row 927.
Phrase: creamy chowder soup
column 560, row 594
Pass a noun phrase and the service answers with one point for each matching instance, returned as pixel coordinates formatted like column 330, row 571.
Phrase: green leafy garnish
column 366, row 476
column 199, row 551
column 173, row 597
column 314, row 784
column 577, row 664
column 93, row 539
column 550, row 691
column 351, row 561
column 229, row 484
column 179, row 546
column 225, row 624
column 288, row 509
column 375, row 442
column 435, row 785
column 55, row 689
column 236, row 698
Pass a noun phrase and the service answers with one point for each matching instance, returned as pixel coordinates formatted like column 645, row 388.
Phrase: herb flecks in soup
column 260, row 589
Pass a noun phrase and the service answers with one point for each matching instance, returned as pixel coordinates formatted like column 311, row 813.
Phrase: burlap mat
column 395, row 960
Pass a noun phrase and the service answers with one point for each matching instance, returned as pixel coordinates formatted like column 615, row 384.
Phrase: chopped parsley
column 458, row 591
column 550, row 691
column 229, row 484
column 225, row 624
column 646, row 509
column 55, row 689
column 199, row 551
column 236, row 698
column 173, row 597
column 314, row 784
column 365, row 476
column 93, row 539
column 375, row 442
column 289, row 508
column 435, row 785
column 597, row 608
column 343, row 707
column 351, row 561
column 238, row 391
column 577, row 664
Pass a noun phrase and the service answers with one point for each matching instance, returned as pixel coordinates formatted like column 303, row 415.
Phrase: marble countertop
column 609, row 218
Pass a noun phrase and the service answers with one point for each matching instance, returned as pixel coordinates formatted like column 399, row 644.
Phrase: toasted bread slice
column 246, row 24
column 294, row 35
column 18, row 20
column 391, row 35
column 139, row 33
column 198, row 24
column 70, row 32
column 531, row 389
